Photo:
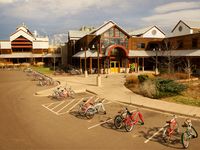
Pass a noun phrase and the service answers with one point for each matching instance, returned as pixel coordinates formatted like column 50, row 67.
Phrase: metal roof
column 140, row 31
column 76, row 34
column 143, row 53
column 29, row 55
column 192, row 24
column 89, row 53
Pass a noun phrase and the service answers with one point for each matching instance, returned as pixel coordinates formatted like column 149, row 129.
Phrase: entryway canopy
column 143, row 53
column 89, row 53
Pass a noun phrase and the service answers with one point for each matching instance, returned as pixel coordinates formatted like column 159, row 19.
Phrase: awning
column 29, row 55
column 89, row 53
column 143, row 53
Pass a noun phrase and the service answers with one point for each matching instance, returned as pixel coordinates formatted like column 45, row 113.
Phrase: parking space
column 149, row 133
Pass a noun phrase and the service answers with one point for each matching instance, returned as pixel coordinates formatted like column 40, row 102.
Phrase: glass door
column 114, row 66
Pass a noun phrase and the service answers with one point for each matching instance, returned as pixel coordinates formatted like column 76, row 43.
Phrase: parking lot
column 31, row 122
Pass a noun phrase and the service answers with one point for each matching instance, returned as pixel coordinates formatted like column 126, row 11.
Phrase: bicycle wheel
column 165, row 135
column 185, row 140
column 81, row 110
column 128, row 125
column 118, row 122
column 194, row 132
column 90, row 113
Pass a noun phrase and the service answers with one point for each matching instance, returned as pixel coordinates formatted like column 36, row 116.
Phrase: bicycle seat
column 129, row 113
column 168, row 121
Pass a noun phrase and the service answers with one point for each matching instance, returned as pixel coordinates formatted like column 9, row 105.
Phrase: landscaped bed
column 168, row 87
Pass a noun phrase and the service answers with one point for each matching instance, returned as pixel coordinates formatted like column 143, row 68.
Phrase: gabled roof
column 140, row 31
column 19, row 33
column 189, row 24
column 107, row 25
column 143, row 31
column 76, row 34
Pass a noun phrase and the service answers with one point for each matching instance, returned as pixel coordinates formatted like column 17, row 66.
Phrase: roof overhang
column 29, row 55
column 87, row 53
column 176, row 53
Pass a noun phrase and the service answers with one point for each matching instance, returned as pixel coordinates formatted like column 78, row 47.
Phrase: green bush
column 142, row 77
column 168, row 87
column 159, row 88
column 132, row 67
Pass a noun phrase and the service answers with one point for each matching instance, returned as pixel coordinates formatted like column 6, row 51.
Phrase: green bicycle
column 189, row 133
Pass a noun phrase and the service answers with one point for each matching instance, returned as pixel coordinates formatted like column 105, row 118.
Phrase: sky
column 50, row 17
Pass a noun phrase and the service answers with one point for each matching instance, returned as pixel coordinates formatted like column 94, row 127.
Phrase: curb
column 161, row 110
column 150, row 108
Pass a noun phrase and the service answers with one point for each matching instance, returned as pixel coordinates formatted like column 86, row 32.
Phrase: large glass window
column 194, row 43
column 114, row 36
column 141, row 45
column 179, row 44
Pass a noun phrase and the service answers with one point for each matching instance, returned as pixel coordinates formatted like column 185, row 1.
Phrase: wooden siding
column 21, row 43
column 134, row 41
column 187, row 41
column 6, row 51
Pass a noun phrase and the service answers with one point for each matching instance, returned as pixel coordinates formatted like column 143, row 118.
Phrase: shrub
column 168, row 87
column 132, row 67
column 142, row 77
column 148, row 88
column 159, row 88
column 131, row 79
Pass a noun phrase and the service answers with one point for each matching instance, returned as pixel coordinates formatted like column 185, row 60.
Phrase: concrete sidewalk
column 113, row 89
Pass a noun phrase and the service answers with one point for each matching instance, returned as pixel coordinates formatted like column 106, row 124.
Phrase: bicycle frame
column 96, row 107
column 128, row 120
column 170, row 128
column 133, row 118
column 188, row 134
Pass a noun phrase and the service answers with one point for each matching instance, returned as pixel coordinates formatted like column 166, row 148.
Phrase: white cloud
column 44, row 9
column 170, row 19
column 175, row 6
column 6, row 1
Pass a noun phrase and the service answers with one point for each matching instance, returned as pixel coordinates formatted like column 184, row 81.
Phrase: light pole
column 156, row 69
column 85, row 72
column 98, row 80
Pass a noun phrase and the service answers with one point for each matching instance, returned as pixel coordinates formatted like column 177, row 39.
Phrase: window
column 117, row 32
column 111, row 32
column 194, row 43
column 141, row 45
column 180, row 28
column 179, row 44
column 153, row 32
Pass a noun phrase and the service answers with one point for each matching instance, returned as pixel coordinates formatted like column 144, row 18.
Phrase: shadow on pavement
column 173, row 143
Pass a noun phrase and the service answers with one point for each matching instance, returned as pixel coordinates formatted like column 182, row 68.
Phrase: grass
column 180, row 99
column 189, row 97
column 43, row 70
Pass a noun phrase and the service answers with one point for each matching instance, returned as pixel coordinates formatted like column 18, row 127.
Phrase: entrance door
column 114, row 66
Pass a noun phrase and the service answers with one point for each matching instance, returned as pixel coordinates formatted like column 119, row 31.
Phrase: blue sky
column 50, row 17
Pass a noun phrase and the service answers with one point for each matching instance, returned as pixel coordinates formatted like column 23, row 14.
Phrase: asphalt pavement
column 113, row 89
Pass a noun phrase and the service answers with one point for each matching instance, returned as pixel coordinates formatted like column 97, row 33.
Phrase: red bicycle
column 128, row 119
column 171, row 128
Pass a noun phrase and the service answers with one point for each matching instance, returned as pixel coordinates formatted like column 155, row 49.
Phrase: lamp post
column 98, row 71
column 85, row 72
column 156, row 69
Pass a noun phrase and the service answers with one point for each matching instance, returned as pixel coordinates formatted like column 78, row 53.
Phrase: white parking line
column 154, row 134
column 75, row 105
column 65, row 106
column 58, row 105
column 50, row 109
column 99, row 124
